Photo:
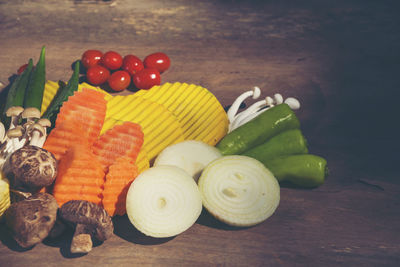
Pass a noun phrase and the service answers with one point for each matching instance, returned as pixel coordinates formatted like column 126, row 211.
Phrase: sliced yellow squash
column 4, row 195
column 200, row 114
column 160, row 127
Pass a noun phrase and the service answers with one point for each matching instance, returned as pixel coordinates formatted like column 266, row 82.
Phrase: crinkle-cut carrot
column 63, row 136
column 80, row 176
column 118, row 179
column 121, row 140
column 88, row 108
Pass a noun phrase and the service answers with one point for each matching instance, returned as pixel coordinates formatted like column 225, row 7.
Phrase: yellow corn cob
column 199, row 112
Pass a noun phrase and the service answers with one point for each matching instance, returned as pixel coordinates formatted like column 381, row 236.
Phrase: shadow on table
column 124, row 229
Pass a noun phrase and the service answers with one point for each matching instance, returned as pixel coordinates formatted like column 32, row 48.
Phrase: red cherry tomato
column 157, row 60
column 147, row 78
column 21, row 69
column 111, row 60
column 97, row 75
column 132, row 64
column 119, row 80
column 91, row 57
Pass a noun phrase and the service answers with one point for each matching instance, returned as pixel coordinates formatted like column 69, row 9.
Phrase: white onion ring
column 239, row 190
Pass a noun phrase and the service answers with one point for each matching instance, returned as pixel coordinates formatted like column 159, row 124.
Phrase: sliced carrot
column 118, row 179
column 121, row 140
column 80, row 176
column 64, row 136
column 88, row 108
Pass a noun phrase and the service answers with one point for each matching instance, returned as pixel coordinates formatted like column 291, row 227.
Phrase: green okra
column 62, row 95
column 34, row 91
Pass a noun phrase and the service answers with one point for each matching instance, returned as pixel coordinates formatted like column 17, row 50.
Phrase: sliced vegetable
column 62, row 95
column 121, row 140
column 301, row 170
column 239, row 190
column 88, row 108
column 65, row 135
column 289, row 142
column 199, row 112
column 118, row 179
column 35, row 89
column 191, row 156
column 268, row 124
column 4, row 195
column 163, row 201
column 80, row 176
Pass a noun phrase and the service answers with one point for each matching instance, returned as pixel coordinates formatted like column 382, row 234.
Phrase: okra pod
column 34, row 92
column 62, row 95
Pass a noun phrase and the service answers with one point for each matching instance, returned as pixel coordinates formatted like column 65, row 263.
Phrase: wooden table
column 339, row 58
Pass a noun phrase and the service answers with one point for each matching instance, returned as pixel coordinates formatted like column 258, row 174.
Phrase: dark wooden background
column 339, row 58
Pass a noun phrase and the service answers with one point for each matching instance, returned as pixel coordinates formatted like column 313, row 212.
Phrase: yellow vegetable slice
column 201, row 115
column 4, row 195
column 160, row 127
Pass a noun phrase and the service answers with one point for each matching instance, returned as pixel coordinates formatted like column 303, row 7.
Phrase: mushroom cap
column 15, row 132
column 38, row 127
column 14, row 111
column 90, row 214
column 31, row 113
column 31, row 220
column 44, row 122
column 30, row 168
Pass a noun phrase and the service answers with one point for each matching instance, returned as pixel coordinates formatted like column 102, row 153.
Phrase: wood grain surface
column 339, row 58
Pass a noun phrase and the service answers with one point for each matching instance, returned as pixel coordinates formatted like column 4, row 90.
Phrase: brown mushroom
column 30, row 168
column 15, row 113
column 31, row 220
column 90, row 221
column 31, row 114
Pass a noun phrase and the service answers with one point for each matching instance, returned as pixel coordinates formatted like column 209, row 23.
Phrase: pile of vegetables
column 159, row 155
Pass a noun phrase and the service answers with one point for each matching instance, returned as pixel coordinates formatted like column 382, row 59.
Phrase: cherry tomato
column 111, row 60
column 132, row 64
column 119, row 80
column 21, row 69
column 97, row 74
column 147, row 78
column 91, row 57
column 157, row 60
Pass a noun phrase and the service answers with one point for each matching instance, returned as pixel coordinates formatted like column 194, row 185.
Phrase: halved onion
column 239, row 190
column 163, row 201
column 190, row 155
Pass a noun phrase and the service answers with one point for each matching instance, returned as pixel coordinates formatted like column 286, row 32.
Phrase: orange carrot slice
column 64, row 136
column 80, row 176
column 88, row 108
column 121, row 140
column 118, row 179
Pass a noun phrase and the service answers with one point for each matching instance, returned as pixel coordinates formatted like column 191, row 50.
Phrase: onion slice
column 239, row 190
column 163, row 201
column 190, row 155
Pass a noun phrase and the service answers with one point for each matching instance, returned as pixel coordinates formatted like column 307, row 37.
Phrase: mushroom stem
column 246, row 113
column 82, row 239
column 255, row 93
